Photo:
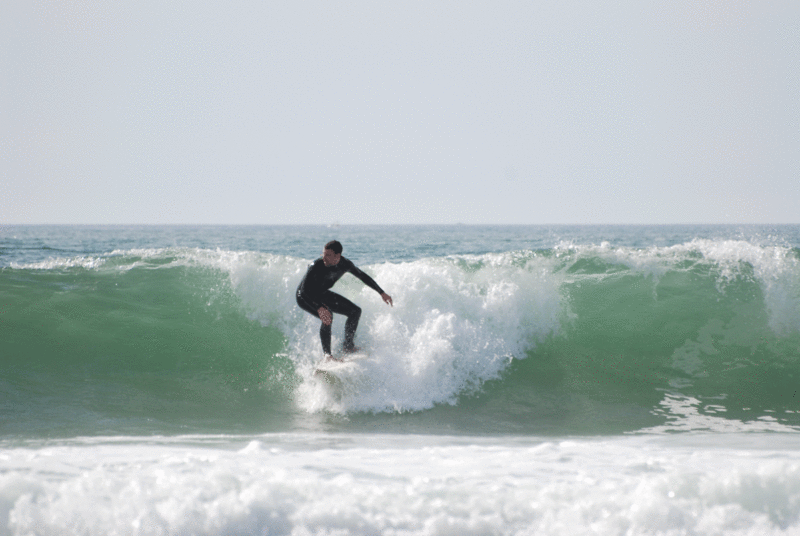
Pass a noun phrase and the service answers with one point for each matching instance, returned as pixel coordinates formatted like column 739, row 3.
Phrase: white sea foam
column 455, row 324
column 87, row 262
column 301, row 485
column 688, row 414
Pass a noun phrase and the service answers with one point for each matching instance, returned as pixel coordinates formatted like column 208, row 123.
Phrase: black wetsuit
column 314, row 292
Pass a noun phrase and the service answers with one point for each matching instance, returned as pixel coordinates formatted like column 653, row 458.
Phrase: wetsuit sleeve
column 366, row 279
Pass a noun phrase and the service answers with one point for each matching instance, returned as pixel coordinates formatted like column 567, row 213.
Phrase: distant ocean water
column 528, row 380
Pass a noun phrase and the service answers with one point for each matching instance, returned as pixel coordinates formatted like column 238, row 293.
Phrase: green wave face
column 123, row 348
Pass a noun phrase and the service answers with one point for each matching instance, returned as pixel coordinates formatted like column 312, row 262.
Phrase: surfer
column 314, row 295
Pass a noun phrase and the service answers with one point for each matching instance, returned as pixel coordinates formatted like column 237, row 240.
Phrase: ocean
column 159, row 380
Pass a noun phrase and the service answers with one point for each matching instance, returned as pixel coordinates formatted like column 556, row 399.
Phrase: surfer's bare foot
column 352, row 350
column 329, row 357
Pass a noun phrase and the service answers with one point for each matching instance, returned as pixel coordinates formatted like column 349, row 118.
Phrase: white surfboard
column 333, row 370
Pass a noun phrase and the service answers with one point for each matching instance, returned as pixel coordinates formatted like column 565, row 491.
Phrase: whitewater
column 528, row 380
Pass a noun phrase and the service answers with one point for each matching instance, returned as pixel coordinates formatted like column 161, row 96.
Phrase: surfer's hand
column 325, row 315
column 388, row 299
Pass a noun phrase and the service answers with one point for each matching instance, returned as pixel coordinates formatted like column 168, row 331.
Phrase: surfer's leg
column 341, row 305
column 325, row 337
column 350, row 328
column 324, row 330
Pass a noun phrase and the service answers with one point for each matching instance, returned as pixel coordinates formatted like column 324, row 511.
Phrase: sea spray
column 456, row 324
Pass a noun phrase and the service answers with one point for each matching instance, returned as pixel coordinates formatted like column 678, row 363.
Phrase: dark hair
column 334, row 246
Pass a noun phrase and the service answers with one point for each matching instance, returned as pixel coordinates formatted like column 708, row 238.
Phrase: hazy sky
column 246, row 111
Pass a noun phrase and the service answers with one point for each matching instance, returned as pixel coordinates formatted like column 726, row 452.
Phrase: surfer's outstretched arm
column 367, row 280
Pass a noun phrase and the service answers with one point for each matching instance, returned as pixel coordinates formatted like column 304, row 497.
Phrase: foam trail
column 456, row 323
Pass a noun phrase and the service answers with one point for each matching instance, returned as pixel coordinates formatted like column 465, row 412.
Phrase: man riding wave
column 314, row 295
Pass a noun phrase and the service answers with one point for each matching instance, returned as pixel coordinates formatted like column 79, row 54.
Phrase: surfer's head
column 332, row 253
